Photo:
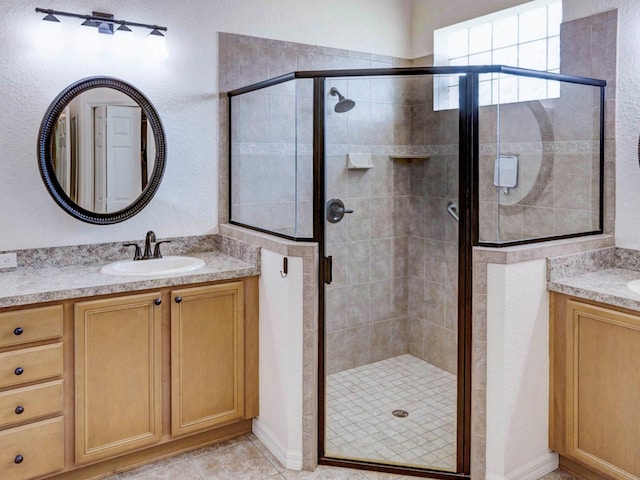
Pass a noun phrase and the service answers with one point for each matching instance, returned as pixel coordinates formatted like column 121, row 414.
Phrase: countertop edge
column 605, row 286
column 125, row 287
column 53, row 284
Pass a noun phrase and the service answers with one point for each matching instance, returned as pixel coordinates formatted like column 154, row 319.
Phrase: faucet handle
column 156, row 249
column 138, row 253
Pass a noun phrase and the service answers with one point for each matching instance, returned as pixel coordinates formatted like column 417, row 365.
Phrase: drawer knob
column 19, row 371
column 18, row 331
column 18, row 459
column 157, row 301
column 19, row 409
column 178, row 299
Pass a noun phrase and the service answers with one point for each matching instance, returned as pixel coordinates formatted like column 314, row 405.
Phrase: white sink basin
column 634, row 285
column 155, row 266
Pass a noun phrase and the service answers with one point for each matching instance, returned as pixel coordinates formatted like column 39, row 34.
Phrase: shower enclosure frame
column 468, row 236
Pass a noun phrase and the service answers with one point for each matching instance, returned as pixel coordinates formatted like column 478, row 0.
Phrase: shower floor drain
column 400, row 413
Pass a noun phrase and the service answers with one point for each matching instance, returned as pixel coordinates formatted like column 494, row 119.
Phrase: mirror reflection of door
column 104, row 151
column 117, row 156
column 63, row 152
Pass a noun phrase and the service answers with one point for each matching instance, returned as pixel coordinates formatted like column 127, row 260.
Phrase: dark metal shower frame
column 468, row 227
column 412, row 71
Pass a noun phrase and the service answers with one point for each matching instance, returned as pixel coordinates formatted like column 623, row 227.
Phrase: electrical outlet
column 8, row 260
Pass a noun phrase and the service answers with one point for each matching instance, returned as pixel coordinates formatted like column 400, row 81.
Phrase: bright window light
column 525, row 36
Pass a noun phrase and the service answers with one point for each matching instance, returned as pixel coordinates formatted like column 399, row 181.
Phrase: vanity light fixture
column 51, row 18
column 105, row 22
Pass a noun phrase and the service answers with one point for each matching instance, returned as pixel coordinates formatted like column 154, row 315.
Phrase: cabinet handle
column 18, row 331
column 19, row 371
column 18, row 459
column 19, row 409
column 157, row 301
column 178, row 299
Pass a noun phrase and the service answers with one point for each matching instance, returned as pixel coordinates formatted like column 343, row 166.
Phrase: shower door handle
column 336, row 210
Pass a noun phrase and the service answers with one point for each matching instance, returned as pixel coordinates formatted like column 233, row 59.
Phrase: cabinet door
column 603, row 389
column 118, row 375
column 207, row 357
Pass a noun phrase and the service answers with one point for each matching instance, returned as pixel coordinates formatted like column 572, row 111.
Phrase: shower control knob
column 336, row 210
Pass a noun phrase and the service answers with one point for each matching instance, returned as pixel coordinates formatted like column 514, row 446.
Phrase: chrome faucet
column 150, row 238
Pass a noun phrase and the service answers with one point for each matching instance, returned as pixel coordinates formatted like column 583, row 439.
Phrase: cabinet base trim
column 541, row 466
column 577, row 470
column 155, row 453
column 292, row 460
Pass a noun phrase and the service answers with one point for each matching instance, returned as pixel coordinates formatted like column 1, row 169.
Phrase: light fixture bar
column 98, row 19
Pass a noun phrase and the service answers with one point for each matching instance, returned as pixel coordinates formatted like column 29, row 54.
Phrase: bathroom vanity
column 99, row 374
column 595, row 364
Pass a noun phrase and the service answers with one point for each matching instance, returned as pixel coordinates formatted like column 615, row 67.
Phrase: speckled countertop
column 30, row 283
column 599, row 275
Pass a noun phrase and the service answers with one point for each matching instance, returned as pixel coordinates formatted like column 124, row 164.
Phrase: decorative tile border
column 586, row 146
column 569, row 147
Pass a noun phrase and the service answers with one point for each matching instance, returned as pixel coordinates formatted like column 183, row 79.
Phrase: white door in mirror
column 157, row 266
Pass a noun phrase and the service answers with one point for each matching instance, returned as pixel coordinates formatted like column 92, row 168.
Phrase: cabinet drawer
column 30, row 325
column 23, row 404
column 30, row 364
column 32, row 450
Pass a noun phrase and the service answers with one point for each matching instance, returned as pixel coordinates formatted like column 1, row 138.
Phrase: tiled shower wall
column 272, row 167
column 556, row 142
column 588, row 48
column 366, row 317
column 395, row 258
column 433, row 233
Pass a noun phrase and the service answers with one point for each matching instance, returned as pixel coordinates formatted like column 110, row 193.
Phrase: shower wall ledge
column 538, row 251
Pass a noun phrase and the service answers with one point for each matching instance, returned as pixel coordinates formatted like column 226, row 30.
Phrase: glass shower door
column 391, row 314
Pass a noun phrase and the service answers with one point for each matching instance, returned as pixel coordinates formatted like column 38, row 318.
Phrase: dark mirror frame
column 45, row 150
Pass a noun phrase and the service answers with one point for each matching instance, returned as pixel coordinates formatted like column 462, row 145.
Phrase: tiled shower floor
column 360, row 425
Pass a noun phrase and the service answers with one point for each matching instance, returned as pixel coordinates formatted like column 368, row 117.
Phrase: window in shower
column 271, row 159
column 526, row 36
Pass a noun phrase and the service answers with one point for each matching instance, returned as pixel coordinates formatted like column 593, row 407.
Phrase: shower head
column 344, row 104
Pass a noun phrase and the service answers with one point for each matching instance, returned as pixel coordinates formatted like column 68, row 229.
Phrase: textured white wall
column 518, row 372
column 627, row 227
column 183, row 88
column 279, row 425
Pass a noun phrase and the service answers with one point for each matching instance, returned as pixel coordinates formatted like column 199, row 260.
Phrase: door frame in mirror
column 45, row 150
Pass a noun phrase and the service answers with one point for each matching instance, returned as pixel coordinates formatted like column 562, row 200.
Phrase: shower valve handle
column 336, row 210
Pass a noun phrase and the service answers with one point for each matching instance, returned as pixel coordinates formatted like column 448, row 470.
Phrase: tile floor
column 359, row 420
column 243, row 458
column 246, row 458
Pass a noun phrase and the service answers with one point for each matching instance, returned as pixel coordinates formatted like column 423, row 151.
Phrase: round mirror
column 101, row 150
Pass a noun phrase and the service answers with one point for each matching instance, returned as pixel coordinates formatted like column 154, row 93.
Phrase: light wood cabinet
column 30, row 364
column 31, row 392
column 207, row 357
column 33, row 450
column 118, row 389
column 23, row 404
column 89, row 387
column 30, row 325
column 595, row 389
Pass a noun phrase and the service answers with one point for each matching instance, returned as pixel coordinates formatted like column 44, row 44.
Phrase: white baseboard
column 290, row 460
column 544, row 464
